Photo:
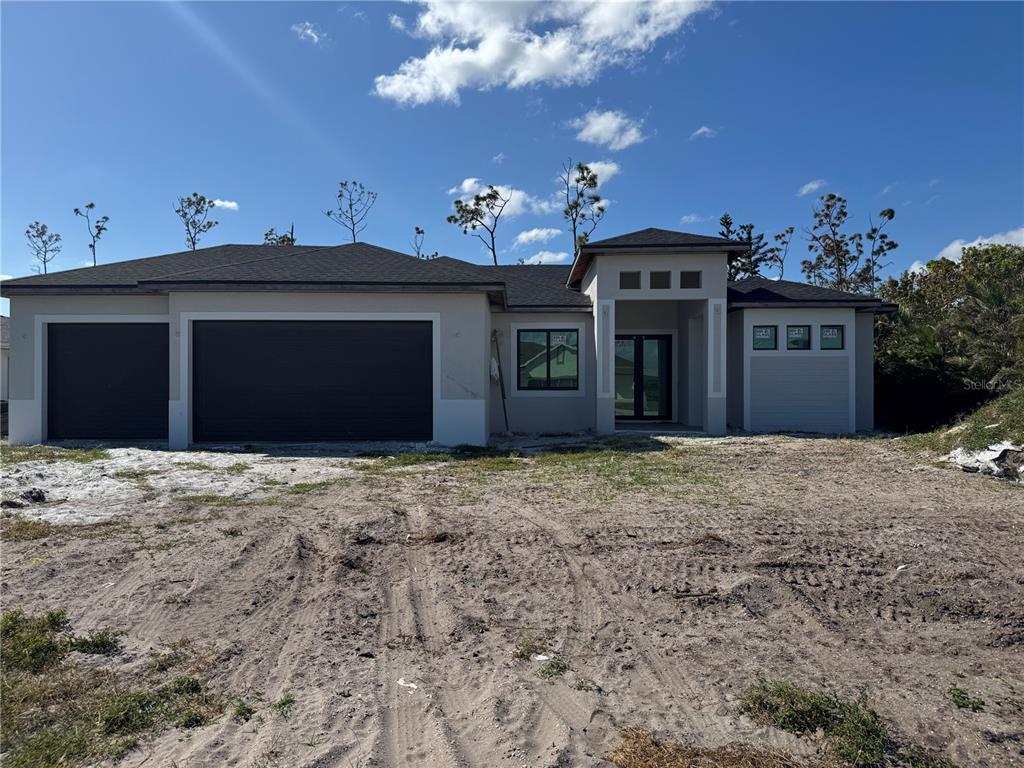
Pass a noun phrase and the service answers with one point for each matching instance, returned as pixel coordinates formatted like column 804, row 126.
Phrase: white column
column 714, row 409
column 604, row 344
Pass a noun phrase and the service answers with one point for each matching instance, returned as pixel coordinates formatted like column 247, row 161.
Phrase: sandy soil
column 671, row 575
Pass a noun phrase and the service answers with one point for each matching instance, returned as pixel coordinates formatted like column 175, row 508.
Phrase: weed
column 283, row 706
column 964, row 700
column 100, row 642
column 210, row 499
column 856, row 733
column 243, row 711
column 301, row 488
column 198, row 466
column 232, row 531
column 237, row 468
column 176, row 653
column 498, row 464
column 639, row 749
column 586, row 684
column 138, row 475
column 186, row 685
column 1001, row 419
column 530, row 643
column 50, row 453
column 18, row 528
column 129, row 712
column 553, row 668
column 33, row 643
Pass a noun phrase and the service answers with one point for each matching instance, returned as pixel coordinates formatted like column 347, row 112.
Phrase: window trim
column 700, row 279
column 842, row 337
column 810, row 338
column 512, row 374
column 668, row 279
column 639, row 279
column 548, row 389
column 775, row 337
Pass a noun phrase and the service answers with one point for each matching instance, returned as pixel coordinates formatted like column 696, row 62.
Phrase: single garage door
column 789, row 393
column 107, row 381
column 301, row 380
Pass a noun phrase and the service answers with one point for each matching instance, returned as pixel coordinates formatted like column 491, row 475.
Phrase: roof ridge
column 306, row 249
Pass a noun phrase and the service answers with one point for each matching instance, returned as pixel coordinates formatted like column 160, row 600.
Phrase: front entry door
column 643, row 377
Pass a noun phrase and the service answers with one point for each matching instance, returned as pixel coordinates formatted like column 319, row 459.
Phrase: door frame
column 638, row 336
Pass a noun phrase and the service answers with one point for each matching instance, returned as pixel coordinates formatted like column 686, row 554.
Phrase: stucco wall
column 535, row 411
column 461, row 375
column 865, row 358
column 734, row 371
column 712, row 266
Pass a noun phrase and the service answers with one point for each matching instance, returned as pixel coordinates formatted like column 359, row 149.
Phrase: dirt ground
column 387, row 596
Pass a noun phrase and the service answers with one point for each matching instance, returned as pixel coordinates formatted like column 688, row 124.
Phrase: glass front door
column 643, row 377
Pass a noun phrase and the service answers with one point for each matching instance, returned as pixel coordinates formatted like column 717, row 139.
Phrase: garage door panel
column 107, row 381
column 312, row 380
column 799, row 394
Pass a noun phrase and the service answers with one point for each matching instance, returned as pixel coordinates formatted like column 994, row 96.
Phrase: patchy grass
column 964, row 700
column 137, row 475
column 237, row 468
column 232, row 531
column 625, row 470
column 639, row 749
column 531, row 643
column 18, row 528
column 998, row 420
column 198, row 466
column 586, row 684
column 283, row 706
column 298, row 489
column 855, row 732
column 174, row 655
column 242, row 711
column 50, row 453
column 58, row 712
column 552, row 668
column 212, row 500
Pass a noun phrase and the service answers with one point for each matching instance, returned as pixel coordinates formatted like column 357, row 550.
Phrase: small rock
column 34, row 495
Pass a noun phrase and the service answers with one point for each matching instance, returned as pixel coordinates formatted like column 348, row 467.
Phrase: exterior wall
column 799, row 390
column 461, row 327
column 865, row 359
column 712, row 267
column 5, row 373
column 734, row 371
column 538, row 411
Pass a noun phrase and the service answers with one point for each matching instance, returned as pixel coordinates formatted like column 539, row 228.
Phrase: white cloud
column 918, row 267
column 612, row 129
column 704, row 132
column 692, row 218
column 887, row 189
column 953, row 250
column 6, row 277
column 396, row 22
column 519, row 201
column 498, row 158
column 537, row 235
column 934, row 182
column 231, row 205
column 605, row 170
column 309, row 32
column 547, row 257
column 811, row 186
column 486, row 45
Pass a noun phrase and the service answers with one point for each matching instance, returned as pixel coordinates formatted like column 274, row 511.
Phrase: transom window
column 548, row 359
column 798, row 337
column 766, row 337
column 629, row 281
column 689, row 279
column 661, row 279
column 831, row 337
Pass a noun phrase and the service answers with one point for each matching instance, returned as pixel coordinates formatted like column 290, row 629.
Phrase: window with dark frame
column 689, row 279
column 832, row 337
column 548, row 359
column 766, row 337
column 629, row 281
column 661, row 280
column 798, row 337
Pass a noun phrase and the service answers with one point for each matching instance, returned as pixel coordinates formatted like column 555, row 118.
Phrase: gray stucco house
column 299, row 343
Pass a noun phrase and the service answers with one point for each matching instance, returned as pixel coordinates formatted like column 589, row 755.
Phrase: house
column 244, row 343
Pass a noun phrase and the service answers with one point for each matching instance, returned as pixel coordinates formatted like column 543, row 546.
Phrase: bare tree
column 482, row 212
column 96, row 229
column 270, row 237
column 194, row 212
column 45, row 245
column 354, row 204
column 776, row 255
column 584, row 209
column 417, row 244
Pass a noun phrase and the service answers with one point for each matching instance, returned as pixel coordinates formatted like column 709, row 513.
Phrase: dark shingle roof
column 761, row 291
column 530, row 285
column 659, row 238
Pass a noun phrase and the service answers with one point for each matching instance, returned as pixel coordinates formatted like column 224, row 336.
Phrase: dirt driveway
column 493, row 610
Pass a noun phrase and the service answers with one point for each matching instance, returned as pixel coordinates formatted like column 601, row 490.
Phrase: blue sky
column 692, row 109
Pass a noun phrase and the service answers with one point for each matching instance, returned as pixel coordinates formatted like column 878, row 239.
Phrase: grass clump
column 639, row 749
column 529, row 644
column 237, row 468
column 998, row 420
column 855, row 732
column 137, row 475
column 964, row 700
column 50, row 453
column 552, row 668
column 19, row 528
column 33, row 643
column 242, row 711
column 232, row 531
column 210, row 499
column 283, row 706
column 198, row 466
column 299, row 489
column 100, row 642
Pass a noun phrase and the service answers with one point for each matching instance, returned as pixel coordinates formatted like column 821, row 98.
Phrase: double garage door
column 252, row 380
